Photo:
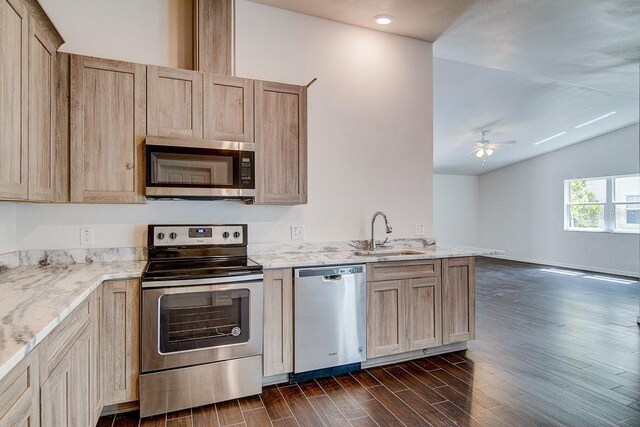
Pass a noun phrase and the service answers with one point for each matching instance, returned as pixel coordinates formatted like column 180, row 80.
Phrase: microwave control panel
column 191, row 235
column 246, row 169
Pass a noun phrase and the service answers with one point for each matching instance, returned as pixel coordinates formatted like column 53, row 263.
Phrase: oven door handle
column 159, row 292
column 195, row 282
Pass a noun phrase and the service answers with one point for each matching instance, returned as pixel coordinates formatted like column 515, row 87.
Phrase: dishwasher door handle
column 332, row 278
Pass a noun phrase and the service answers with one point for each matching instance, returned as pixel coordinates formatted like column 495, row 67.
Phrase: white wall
column 7, row 227
column 521, row 206
column 156, row 32
column 455, row 209
column 369, row 117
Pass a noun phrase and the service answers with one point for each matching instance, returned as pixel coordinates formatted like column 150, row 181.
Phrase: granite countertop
column 308, row 259
column 34, row 300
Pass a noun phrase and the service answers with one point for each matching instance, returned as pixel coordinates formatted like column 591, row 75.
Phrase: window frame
column 609, row 206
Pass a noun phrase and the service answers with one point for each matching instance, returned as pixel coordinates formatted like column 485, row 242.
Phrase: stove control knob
column 160, row 236
column 236, row 234
column 173, row 235
column 225, row 234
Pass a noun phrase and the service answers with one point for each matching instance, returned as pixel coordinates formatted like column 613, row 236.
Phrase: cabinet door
column 120, row 342
column 281, row 143
column 228, row 108
column 278, row 322
column 213, row 36
column 13, row 99
column 424, row 327
column 385, row 318
column 20, row 393
column 42, row 54
column 108, row 126
column 174, row 102
column 458, row 300
column 65, row 397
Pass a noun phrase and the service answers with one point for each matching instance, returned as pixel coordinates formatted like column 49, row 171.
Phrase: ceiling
column 526, row 70
column 419, row 19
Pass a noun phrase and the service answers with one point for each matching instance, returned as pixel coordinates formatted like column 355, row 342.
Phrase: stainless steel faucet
column 372, row 244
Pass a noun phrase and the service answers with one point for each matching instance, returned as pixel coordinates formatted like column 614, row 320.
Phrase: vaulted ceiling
column 526, row 70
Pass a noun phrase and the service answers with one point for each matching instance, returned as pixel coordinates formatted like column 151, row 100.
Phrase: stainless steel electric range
column 201, row 318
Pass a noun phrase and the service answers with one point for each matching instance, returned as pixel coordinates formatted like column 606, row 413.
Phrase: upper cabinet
column 281, row 143
column 228, row 108
column 174, row 102
column 108, row 126
column 42, row 55
column 213, row 36
column 14, row 27
column 28, row 42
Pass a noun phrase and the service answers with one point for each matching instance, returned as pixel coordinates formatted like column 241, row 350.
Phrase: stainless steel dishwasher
column 330, row 319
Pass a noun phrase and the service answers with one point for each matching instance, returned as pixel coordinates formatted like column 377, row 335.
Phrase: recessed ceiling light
column 550, row 138
column 596, row 119
column 384, row 19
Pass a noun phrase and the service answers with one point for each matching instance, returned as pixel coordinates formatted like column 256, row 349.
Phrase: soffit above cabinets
column 419, row 19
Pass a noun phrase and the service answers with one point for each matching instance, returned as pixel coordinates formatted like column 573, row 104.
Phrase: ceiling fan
column 485, row 148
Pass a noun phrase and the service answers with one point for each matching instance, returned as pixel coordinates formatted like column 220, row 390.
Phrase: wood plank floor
column 552, row 350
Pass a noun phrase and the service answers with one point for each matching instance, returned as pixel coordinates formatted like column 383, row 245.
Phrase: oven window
column 191, row 169
column 200, row 320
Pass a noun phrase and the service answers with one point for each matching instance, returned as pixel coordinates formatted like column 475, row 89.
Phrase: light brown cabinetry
column 281, row 143
column 66, row 398
column 174, row 102
column 14, row 31
column 403, row 307
column 228, row 108
column 108, row 125
column 458, row 300
column 20, row 394
column 278, row 322
column 213, row 35
column 42, row 55
column 28, row 43
column 120, row 347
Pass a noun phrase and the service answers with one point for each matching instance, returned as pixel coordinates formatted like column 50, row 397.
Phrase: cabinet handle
column 129, row 166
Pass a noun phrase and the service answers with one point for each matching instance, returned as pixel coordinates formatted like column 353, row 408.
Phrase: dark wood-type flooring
column 551, row 350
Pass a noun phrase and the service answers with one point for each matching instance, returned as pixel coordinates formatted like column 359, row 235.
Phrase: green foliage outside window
column 585, row 216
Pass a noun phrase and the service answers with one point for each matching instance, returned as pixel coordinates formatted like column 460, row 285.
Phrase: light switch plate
column 297, row 232
column 419, row 229
column 86, row 236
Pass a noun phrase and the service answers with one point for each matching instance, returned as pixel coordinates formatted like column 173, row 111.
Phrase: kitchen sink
column 389, row 252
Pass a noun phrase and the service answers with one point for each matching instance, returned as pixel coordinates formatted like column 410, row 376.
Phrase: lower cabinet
column 120, row 344
column 20, row 394
column 415, row 305
column 403, row 315
column 458, row 300
column 66, row 397
column 278, row 322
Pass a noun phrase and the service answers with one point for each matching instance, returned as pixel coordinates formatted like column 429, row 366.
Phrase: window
column 603, row 204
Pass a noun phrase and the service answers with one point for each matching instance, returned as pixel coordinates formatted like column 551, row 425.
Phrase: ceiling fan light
column 480, row 153
column 489, row 151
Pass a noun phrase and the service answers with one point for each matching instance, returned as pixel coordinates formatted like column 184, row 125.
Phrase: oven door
column 191, row 325
column 219, row 169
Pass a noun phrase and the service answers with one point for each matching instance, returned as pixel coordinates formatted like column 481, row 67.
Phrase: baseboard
column 631, row 274
column 416, row 354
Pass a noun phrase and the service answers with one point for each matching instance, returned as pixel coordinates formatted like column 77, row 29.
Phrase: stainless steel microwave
column 199, row 169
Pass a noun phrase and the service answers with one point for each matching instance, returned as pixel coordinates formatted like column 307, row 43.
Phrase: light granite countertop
column 309, row 259
column 34, row 300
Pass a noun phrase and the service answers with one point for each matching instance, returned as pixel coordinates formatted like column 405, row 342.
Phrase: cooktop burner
column 195, row 268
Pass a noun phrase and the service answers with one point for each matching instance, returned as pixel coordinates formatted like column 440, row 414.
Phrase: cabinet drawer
column 62, row 338
column 18, row 396
column 402, row 270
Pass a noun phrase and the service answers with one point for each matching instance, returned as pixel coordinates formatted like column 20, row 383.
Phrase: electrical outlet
column 86, row 236
column 297, row 232
column 419, row 230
